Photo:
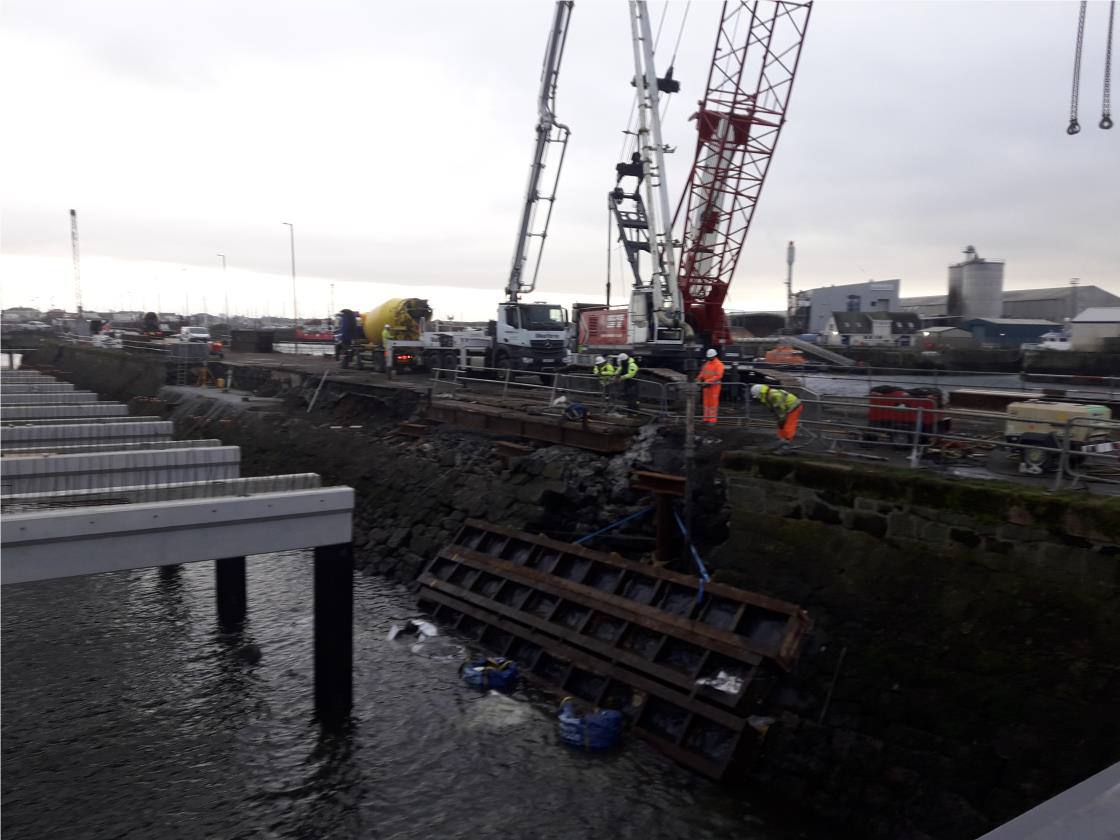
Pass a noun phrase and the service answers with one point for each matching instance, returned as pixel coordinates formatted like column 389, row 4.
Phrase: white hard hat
column 711, row 354
column 756, row 391
column 622, row 357
column 599, row 360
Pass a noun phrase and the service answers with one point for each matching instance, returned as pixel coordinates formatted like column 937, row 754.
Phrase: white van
column 194, row 334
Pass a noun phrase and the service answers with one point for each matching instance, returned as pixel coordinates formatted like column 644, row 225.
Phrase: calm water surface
column 127, row 714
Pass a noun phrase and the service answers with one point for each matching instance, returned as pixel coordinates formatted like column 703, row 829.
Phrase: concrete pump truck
column 525, row 336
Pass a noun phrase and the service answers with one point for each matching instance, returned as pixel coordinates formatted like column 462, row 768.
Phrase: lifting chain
column 1106, row 103
column 1074, row 125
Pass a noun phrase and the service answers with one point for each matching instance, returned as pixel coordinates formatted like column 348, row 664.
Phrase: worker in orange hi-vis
column 710, row 377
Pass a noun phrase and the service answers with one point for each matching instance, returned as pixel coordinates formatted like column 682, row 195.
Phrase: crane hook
column 1074, row 127
column 1106, row 122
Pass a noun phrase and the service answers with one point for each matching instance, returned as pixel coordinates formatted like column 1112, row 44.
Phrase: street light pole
column 225, row 287
column 295, row 312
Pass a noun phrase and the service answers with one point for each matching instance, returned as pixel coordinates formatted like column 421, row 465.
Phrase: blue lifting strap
column 613, row 525
column 703, row 572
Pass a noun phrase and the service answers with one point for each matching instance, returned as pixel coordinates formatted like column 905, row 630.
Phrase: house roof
column 1012, row 296
column 1099, row 315
column 942, row 330
column 1013, row 322
column 1053, row 293
column 851, row 323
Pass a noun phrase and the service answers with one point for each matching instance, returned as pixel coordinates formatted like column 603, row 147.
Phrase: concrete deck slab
column 29, row 437
column 63, row 473
column 63, row 398
column 1087, row 811
column 64, row 421
column 47, row 412
column 36, row 388
column 112, row 446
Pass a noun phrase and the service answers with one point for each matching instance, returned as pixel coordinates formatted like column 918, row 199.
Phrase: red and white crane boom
column 738, row 123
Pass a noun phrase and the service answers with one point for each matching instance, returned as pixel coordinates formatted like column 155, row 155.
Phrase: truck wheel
column 449, row 361
column 901, row 439
column 502, row 363
column 431, row 360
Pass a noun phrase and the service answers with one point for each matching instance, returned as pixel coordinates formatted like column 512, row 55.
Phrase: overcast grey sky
column 396, row 137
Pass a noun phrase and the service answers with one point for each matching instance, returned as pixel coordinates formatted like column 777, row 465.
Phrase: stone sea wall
column 113, row 374
column 968, row 633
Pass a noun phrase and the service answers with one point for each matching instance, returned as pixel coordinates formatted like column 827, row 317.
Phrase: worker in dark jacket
column 786, row 407
column 344, row 335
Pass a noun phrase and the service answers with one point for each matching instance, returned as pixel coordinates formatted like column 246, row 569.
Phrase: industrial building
column 1052, row 304
column 1096, row 329
column 1007, row 332
column 814, row 307
column 943, row 338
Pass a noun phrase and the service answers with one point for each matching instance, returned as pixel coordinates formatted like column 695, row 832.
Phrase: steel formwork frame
column 738, row 125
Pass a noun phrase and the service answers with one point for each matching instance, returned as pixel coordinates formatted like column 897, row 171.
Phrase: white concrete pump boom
column 549, row 132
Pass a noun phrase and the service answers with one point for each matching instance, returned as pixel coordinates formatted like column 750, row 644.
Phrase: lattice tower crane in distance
column 739, row 120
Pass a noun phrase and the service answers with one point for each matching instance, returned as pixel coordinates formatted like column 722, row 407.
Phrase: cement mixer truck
column 401, row 335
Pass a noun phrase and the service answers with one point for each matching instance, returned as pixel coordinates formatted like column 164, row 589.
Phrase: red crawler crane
column 738, row 124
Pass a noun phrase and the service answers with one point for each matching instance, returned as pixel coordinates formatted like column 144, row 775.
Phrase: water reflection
column 128, row 712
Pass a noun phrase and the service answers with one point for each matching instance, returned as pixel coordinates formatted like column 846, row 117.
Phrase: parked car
column 35, row 325
column 194, row 334
column 110, row 339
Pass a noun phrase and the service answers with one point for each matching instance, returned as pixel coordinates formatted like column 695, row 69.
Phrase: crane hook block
column 1106, row 122
column 1074, row 127
column 667, row 84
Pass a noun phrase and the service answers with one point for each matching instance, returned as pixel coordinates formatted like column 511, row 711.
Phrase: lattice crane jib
column 738, row 123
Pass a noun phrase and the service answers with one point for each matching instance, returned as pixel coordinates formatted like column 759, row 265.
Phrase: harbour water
column 129, row 714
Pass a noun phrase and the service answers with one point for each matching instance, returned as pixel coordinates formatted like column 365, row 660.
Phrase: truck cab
column 530, row 336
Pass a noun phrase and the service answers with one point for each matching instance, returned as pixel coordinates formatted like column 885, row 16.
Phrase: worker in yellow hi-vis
column 627, row 370
column 785, row 406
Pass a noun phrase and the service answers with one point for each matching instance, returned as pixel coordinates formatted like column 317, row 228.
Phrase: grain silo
column 954, row 304
column 979, row 287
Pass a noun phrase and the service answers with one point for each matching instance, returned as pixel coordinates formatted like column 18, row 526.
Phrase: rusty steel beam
column 798, row 623
column 659, row 483
column 710, row 768
column 688, row 630
column 602, row 628
column 597, row 437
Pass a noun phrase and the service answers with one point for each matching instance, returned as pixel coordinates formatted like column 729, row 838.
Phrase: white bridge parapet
column 65, row 543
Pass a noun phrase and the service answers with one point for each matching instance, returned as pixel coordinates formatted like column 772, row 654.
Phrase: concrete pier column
column 229, row 577
column 334, row 632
